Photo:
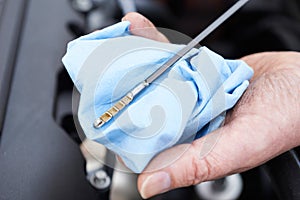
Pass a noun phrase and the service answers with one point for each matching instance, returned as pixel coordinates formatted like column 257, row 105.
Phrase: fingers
column 143, row 27
column 272, row 61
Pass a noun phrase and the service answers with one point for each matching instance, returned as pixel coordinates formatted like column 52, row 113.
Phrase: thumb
column 181, row 166
column 231, row 149
column 141, row 26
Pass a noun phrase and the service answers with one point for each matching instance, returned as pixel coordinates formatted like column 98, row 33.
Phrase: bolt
column 100, row 179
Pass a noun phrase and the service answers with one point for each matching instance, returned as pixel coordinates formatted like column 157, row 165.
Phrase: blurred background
column 41, row 154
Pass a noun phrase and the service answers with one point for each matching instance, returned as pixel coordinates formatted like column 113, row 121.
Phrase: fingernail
column 155, row 184
column 123, row 19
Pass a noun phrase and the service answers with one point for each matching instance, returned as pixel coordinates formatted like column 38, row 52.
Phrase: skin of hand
column 263, row 124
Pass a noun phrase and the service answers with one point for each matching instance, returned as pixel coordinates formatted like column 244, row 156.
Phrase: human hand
column 263, row 124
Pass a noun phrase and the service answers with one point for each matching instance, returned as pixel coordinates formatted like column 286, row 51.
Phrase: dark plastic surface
column 37, row 159
column 11, row 22
column 284, row 172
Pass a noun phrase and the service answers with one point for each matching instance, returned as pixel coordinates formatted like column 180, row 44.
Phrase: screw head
column 100, row 180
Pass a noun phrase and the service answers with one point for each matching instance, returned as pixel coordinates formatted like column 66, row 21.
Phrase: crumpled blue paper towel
column 186, row 103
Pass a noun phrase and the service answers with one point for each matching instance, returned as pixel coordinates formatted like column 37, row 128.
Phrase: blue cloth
column 187, row 102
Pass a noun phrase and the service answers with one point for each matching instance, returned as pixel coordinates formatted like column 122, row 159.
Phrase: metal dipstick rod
column 121, row 104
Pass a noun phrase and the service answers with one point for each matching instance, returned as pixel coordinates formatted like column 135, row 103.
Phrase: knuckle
column 200, row 169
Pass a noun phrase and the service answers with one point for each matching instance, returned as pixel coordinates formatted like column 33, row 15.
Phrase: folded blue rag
column 185, row 103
